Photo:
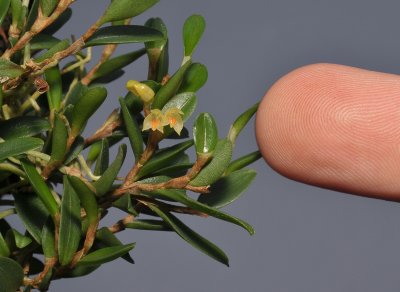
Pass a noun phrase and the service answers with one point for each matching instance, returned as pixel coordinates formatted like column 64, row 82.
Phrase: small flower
column 155, row 120
column 173, row 118
column 141, row 90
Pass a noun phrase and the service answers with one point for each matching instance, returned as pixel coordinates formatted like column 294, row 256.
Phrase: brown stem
column 121, row 224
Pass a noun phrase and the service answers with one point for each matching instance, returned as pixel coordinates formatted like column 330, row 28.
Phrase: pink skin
column 335, row 127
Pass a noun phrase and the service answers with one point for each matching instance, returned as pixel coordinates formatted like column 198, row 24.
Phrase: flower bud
column 141, row 90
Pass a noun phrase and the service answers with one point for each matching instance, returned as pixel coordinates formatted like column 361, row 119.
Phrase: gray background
column 308, row 239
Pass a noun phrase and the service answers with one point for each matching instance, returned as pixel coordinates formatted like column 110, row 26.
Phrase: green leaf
column 107, row 238
column 4, row 5
column 196, row 76
column 87, row 198
column 148, row 224
column 118, row 63
column 134, row 103
column 61, row 45
column 132, row 128
column 48, row 6
column 54, row 94
column 186, row 102
column 105, row 182
column 192, row 237
column 43, row 41
column 4, row 250
column 9, row 69
column 32, row 212
column 193, row 30
column 228, row 189
column 174, row 170
column 241, row 122
column 205, row 134
column 103, row 158
column 74, row 95
column 167, row 91
column 80, row 271
column 124, row 203
column 40, row 187
column 105, row 255
column 123, row 34
column 33, row 13
column 59, row 139
column 19, row 240
column 25, row 126
column 178, row 196
column 18, row 146
column 123, row 9
column 48, row 239
column 76, row 149
column 16, row 12
column 157, row 51
column 70, row 224
column 243, row 162
column 163, row 158
column 85, row 108
column 11, row 275
column 214, row 170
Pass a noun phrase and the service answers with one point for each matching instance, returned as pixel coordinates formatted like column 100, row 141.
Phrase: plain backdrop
column 307, row 239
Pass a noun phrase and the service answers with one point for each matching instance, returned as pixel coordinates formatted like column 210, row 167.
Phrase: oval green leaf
column 43, row 41
column 103, row 159
column 17, row 146
column 193, row 30
column 123, row 34
column 205, row 134
column 25, row 126
column 61, row 45
column 11, row 275
column 48, row 240
column 58, row 140
column 243, row 161
column 70, row 224
column 241, row 122
column 106, row 238
column 123, row 9
column 54, row 94
column 186, row 102
column 213, row 171
column 40, row 187
column 195, row 78
column 105, row 255
column 148, row 224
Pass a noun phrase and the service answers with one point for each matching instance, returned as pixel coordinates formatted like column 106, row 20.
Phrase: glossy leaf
column 16, row 146
column 62, row 45
column 85, row 108
column 123, row 9
column 43, row 41
column 11, row 275
column 105, row 255
column 40, row 187
column 216, row 167
column 32, row 212
column 241, row 122
column 167, row 91
column 243, row 161
column 148, row 224
column 205, row 133
column 4, row 5
column 48, row 240
column 132, row 128
column 196, row 76
column 186, row 102
column 103, row 158
column 87, row 198
column 193, row 30
column 9, row 69
column 228, row 188
column 163, row 158
column 192, row 237
column 48, row 6
column 19, row 240
column 118, row 63
column 70, row 224
column 178, row 196
column 123, row 34
column 54, row 94
column 59, row 139
column 24, row 126
column 106, row 181
column 107, row 238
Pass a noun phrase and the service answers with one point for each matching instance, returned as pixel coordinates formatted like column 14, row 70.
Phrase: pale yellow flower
column 155, row 120
column 141, row 90
column 173, row 118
